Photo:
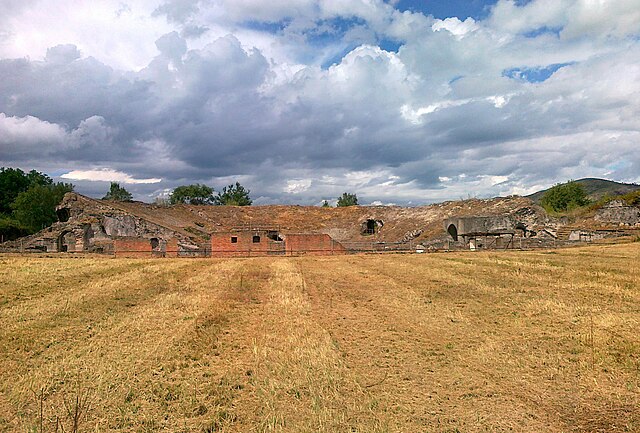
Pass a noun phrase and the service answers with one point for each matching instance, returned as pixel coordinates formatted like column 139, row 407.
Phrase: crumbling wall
column 171, row 248
column 88, row 225
column 617, row 212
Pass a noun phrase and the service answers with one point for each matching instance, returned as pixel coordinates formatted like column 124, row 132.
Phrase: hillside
column 595, row 188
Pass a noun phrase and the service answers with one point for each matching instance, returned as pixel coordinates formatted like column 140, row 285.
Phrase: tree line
column 195, row 194
column 199, row 194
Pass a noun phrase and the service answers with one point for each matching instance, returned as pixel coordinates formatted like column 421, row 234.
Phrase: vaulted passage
column 155, row 244
column 453, row 231
column 63, row 214
column 66, row 242
column 370, row 227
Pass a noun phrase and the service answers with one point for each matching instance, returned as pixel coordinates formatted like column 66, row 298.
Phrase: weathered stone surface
column 618, row 212
column 409, row 236
column 89, row 225
column 481, row 225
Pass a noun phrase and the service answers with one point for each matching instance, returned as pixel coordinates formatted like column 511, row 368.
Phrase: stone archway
column 66, row 242
column 453, row 231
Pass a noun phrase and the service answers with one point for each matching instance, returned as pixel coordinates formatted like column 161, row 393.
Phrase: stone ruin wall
column 88, row 225
column 617, row 212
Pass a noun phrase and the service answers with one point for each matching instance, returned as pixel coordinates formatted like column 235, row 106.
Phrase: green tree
column 233, row 195
column 37, row 178
column 117, row 193
column 325, row 204
column 13, row 181
column 347, row 199
column 35, row 208
column 192, row 194
column 564, row 197
column 11, row 229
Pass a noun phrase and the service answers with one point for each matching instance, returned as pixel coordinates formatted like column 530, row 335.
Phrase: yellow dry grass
column 462, row 342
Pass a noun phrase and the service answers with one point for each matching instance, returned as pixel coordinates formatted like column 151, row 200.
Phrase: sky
column 402, row 102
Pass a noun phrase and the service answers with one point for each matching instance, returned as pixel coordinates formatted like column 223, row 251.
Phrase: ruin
column 258, row 241
column 485, row 231
column 134, row 229
column 617, row 212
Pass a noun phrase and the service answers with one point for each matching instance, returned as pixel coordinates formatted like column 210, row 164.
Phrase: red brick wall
column 312, row 244
column 140, row 247
column 294, row 244
column 221, row 245
column 132, row 247
column 172, row 248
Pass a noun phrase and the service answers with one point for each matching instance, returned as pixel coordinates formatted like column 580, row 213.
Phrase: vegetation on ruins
column 233, row 195
column 35, row 208
column 347, row 199
column 196, row 194
column 28, row 201
column 631, row 199
column 117, row 193
column 564, row 197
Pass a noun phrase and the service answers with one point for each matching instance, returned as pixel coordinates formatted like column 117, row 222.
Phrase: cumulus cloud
column 304, row 100
column 455, row 26
column 106, row 175
column 27, row 135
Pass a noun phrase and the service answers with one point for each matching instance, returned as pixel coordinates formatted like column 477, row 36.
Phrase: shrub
column 564, row 197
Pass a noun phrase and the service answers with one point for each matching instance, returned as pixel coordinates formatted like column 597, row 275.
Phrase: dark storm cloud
column 439, row 113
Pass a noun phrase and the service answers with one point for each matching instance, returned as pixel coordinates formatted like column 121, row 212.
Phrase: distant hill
column 595, row 188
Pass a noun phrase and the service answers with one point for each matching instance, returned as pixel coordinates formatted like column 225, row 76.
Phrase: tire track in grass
column 298, row 380
column 414, row 351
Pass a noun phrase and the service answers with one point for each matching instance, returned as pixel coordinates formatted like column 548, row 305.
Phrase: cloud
column 299, row 101
column 455, row 26
column 297, row 186
column 26, row 135
column 106, row 175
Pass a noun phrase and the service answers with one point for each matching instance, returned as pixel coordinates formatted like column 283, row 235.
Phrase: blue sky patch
column 542, row 31
column 456, row 78
column 268, row 27
column 534, row 75
column 476, row 9
column 618, row 165
column 390, row 45
column 330, row 31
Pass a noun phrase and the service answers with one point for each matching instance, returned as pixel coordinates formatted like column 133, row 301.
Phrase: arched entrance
column 66, row 242
column 453, row 231
column 370, row 227
column 155, row 244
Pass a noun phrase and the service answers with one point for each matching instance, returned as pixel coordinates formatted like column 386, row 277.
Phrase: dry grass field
column 545, row 341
